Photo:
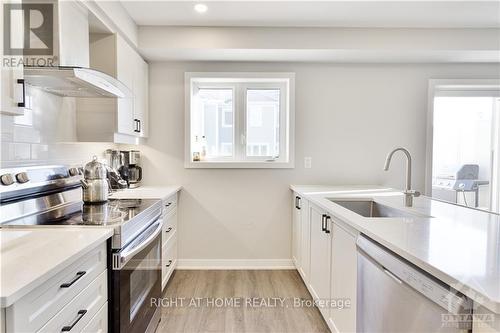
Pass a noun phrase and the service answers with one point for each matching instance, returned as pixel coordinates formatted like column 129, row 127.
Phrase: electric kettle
column 95, row 183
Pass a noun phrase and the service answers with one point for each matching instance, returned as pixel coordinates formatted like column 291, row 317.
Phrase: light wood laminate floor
column 255, row 301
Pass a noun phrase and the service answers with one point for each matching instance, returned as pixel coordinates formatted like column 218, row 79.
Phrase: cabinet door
column 343, row 279
column 305, row 247
column 320, row 257
column 125, row 68
column 10, row 86
column 296, row 227
column 142, row 94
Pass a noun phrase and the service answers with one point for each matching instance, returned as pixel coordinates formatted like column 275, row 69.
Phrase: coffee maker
column 131, row 169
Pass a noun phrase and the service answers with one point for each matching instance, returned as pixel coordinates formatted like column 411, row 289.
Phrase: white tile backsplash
column 45, row 134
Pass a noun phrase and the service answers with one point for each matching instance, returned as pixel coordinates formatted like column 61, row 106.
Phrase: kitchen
column 203, row 118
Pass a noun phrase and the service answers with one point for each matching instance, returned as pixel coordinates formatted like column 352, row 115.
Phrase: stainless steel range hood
column 75, row 82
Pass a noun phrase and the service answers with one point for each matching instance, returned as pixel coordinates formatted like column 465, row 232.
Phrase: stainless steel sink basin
column 368, row 208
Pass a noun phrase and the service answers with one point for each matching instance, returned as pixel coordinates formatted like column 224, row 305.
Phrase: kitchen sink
column 369, row 208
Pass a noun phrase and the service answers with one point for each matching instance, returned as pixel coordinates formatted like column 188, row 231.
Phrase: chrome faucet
column 408, row 192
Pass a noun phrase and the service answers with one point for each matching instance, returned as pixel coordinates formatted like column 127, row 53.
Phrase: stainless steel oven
column 135, row 281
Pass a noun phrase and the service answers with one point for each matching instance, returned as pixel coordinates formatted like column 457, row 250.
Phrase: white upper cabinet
column 126, row 119
column 125, row 72
column 11, row 83
column 13, row 91
column 132, row 70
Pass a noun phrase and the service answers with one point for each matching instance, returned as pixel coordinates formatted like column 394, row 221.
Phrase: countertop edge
column 6, row 301
column 490, row 303
column 133, row 193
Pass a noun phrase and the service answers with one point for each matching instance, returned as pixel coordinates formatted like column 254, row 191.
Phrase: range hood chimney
column 68, row 73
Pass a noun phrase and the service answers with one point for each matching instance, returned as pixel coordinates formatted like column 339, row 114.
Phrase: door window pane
column 215, row 132
column 262, row 119
column 464, row 129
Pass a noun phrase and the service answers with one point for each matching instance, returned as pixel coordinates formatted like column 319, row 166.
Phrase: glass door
column 465, row 146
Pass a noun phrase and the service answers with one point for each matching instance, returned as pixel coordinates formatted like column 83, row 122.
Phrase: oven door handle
column 122, row 257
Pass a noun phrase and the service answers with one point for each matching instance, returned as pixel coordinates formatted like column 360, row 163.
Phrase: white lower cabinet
column 75, row 293
column 98, row 323
column 300, row 236
column 324, row 253
column 343, row 279
column 78, row 313
column 305, row 238
column 321, row 253
column 296, row 231
column 169, row 239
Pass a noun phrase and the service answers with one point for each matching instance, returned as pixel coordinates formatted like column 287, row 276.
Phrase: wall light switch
column 308, row 162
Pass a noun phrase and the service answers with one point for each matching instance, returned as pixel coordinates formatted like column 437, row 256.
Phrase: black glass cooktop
column 115, row 211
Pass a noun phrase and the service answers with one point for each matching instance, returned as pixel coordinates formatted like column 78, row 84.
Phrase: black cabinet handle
column 323, row 220
column 326, row 224
column 169, row 263
column 168, row 230
column 136, row 125
column 77, row 277
column 81, row 313
column 23, row 103
column 168, row 205
column 297, row 202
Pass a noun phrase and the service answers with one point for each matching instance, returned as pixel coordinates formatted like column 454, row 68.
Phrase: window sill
column 238, row 165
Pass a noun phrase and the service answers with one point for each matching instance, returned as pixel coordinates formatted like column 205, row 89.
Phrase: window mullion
column 240, row 137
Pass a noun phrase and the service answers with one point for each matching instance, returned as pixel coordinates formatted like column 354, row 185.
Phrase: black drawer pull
column 326, row 224
column 77, row 277
column 169, row 263
column 81, row 313
column 168, row 205
column 297, row 202
column 168, row 230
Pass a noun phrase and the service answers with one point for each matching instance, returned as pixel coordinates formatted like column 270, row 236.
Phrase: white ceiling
column 411, row 14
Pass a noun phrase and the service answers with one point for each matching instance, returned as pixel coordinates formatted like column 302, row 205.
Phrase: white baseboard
column 206, row 264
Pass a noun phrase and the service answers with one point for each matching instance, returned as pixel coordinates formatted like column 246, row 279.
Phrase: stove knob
column 73, row 172
column 7, row 179
column 22, row 177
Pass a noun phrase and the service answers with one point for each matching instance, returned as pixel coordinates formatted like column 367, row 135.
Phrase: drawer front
column 170, row 203
column 99, row 323
column 169, row 225
column 32, row 311
column 78, row 313
column 169, row 259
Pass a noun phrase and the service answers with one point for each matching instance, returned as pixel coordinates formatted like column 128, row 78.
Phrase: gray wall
column 348, row 116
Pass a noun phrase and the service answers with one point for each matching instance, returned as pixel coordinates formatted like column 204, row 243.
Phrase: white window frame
column 240, row 83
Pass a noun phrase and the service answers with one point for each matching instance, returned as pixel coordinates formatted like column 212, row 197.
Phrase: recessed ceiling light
column 200, row 8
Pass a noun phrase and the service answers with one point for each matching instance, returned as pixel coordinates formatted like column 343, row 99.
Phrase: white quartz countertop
column 29, row 257
column 457, row 245
column 146, row 192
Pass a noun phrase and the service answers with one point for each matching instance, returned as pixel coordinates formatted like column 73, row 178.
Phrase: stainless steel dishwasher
column 395, row 296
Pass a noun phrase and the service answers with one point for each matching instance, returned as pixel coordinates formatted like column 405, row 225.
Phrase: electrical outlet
column 308, row 162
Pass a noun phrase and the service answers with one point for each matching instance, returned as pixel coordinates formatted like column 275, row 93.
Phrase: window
column 239, row 120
